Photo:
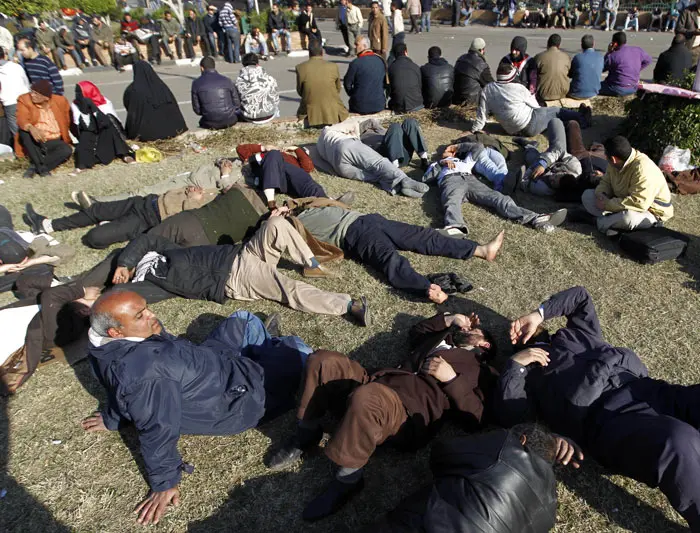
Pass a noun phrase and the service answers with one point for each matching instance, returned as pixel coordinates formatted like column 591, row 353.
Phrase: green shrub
column 656, row 121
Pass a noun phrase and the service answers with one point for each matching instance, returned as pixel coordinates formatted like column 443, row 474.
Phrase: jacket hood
column 519, row 43
column 440, row 61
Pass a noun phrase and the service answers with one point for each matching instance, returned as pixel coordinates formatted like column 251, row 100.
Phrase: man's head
column 127, row 17
column 394, row 6
column 207, row 63
column 168, row 15
column 41, row 92
column 315, row 48
column 478, row 45
column 123, row 37
column 537, row 440
column 678, row 38
column 476, row 338
column 96, row 21
column 275, row 8
column 618, row 150
column 121, row 313
column 211, row 10
column 343, row 2
column 255, row 31
column 506, row 72
column 554, row 40
column 249, row 60
column 26, row 48
column 400, row 49
column 619, row 39
column 42, row 25
column 587, row 42
column 308, row 8
column 518, row 48
column 192, row 14
column 375, row 8
column 361, row 44
column 434, row 52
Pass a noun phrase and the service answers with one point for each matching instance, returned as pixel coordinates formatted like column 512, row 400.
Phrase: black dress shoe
column 359, row 310
column 272, row 325
column 34, row 220
column 331, row 499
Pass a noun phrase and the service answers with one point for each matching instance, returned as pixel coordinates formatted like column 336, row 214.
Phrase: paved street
column 453, row 41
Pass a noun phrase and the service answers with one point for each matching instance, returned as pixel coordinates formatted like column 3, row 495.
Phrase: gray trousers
column 556, row 135
column 360, row 162
column 205, row 177
column 620, row 221
column 458, row 188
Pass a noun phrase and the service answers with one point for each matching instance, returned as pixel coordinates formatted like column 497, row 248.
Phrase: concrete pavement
column 453, row 41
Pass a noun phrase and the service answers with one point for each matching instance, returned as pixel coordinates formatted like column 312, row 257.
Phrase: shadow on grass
column 690, row 263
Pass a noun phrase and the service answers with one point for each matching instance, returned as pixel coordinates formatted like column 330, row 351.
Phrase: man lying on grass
column 167, row 386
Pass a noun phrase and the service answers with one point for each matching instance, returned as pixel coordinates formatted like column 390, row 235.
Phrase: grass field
column 91, row 482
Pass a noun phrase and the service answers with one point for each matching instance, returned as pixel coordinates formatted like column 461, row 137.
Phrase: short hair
column 678, row 38
column 399, row 49
column 315, row 48
column 249, row 60
column 27, row 41
column 364, row 40
column 619, row 38
column 554, row 40
column 587, row 41
column 461, row 338
column 207, row 63
column 254, row 28
column 434, row 52
column 167, row 13
column 537, row 440
column 618, row 146
column 374, row 2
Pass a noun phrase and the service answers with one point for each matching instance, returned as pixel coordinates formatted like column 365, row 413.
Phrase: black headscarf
column 85, row 105
column 149, row 87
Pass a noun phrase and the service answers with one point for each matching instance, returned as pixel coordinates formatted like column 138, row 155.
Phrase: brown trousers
column 254, row 274
column 374, row 411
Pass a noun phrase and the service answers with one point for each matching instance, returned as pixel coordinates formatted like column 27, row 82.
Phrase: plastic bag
column 148, row 155
column 675, row 159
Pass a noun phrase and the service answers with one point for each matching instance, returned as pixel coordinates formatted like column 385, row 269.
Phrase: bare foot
column 490, row 250
column 436, row 294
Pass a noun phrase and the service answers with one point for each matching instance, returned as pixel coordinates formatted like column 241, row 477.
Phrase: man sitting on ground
column 365, row 80
column 526, row 69
column 405, row 82
column 43, row 121
column 255, row 44
column 375, row 241
column 624, row 64
column 586, row 71
column 318, row 84
column 341, row 146
column 260, row 101
column 454, row 174
column 447, row 373
column 552, row 71
column 438, row 80
column 600, row 396
column 472, row 74
column 675, row 63
column 167, row 386
column 633, row 193
column 214, row 97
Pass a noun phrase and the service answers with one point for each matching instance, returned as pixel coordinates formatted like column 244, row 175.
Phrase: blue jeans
column 542, row 115
column 211, row 42
column 613, row 90
column 492, row 165
column 233, row 45
column 260, row 50
column 425, row 21
column 276, row 34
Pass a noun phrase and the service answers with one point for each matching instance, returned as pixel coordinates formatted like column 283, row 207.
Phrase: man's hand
column 568, row 452
column 450, row 151
column 531, row 355
column 37, row 135
column 436, row 294
column 447, row 163
column 439, row 369
column 280, row 211
column 92, row 293
column 523, row 328
column 152, row 509
column 600, row 201
column 94, row 423
column 122, row 274
column 226, row 167
column 537, row 172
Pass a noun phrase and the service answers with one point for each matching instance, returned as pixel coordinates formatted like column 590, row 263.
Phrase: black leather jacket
column 438, row 79
column 215, row 99
column 472, row 73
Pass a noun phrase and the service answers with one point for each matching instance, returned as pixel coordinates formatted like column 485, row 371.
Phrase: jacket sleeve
column 155, row 408
column 52, row 301
column 235, row 98
column 482, row 113
column 246, row 151
column 604, row 187
column 56, row 80
column 646, row 59
column 606, row 62
column 577, row 306
column 462, row 397
column 349, row 79
column 640, row 198
column 336, row 74
column 429, row 325
column 140, row 246
column 195, row 102
column 22, row 114
column 486, row 77
column 511, row 404
column 305, row 161
column 432, row 173
column 300, row 83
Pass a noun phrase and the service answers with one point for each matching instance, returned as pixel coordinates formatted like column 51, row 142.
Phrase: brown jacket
column 318, row 84
column 178, row 200
column 378, row 31
column 688, row 25
column 552, row 74
column 28, row 114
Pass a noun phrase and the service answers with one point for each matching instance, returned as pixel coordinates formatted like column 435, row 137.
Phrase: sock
column 314, row 263
column 424, row 155
column 46, row 225
column 395, row 162
column 348, row 475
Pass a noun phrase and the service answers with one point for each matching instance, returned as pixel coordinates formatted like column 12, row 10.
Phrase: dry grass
column 91, row 482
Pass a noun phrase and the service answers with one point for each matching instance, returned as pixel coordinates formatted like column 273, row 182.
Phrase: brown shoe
column 319, row 272
column 360, row 311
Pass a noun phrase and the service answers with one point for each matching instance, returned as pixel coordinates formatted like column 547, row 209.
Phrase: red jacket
column 28, row 113
column 300, row 158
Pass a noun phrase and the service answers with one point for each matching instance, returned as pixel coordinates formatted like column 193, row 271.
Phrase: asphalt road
column 453, row 41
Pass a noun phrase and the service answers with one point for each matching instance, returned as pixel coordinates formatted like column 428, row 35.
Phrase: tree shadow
column 690, row 263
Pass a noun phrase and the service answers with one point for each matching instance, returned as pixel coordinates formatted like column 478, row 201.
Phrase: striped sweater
column 42, row 68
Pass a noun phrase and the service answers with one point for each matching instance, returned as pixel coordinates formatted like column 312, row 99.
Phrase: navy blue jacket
column 168, row 386
column 582, row 367
column 364, row 82
column 585, row 72
column 216, row 100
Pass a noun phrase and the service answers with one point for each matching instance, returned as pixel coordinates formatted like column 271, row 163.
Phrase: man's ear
column 523, row 439
column 115, row 333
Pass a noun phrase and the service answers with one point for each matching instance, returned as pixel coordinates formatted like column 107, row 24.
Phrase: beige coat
column 413, row 7
column 379, row 34
column 318, row 84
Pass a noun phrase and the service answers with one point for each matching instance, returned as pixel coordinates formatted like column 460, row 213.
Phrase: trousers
column 543, row 115
column 373, row 412
column 288, row 178
column 606, row 89
column 491, row 164
column 44, row 156
column 648, row 430
column 621, row 221
column 401, row 141
column 276, row 34
column 360, row 162
column 254, row 274
column 376, row 241
column 126, row 219
column 166, row 46
column 458, row 188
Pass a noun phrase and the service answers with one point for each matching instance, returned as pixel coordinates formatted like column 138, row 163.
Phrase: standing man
column 277, row 28
column 194, row 35
column 689, row 25
column 210, row 24
column 355, row 21
column 405, row 82
column 586, row 71
column 171, row 30
column 39, row 67
column 229, row 25
column 378, row 31
column 13, row 84
column 426, row 8
column 308, row 30
column 104, row 39
column 552, row 71
column 624, row 64
column 414, row 7
column 214, row 97
column 318, row 84
column 365, row 80
column 341, row 23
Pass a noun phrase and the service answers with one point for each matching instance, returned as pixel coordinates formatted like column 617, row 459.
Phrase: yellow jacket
column 639, row 186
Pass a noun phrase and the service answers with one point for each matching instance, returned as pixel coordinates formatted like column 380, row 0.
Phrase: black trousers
column 401, row 141
column 648, row 430
column 287, row 178
column 126, row 219
column 346, row 37
column 376, row 241
column 189, row 47
column 44, row 156
column 90, row 48
column 120, row 60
